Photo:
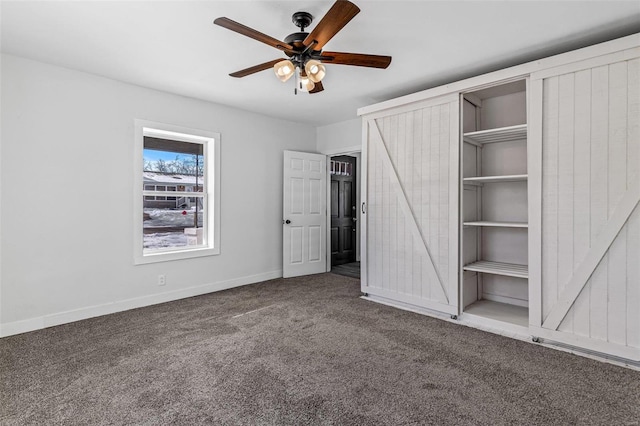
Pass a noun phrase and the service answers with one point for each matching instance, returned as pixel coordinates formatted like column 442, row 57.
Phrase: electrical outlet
column 162, row 280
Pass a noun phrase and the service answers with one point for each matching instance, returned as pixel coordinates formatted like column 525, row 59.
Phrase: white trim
column 589, row 63
column 414, row 301
column 515, row 72
column 534, row 200
column 37, row 323
column 180, row 253
column 211, row 148
column 342, row 151
column 362, row 208
column 435, row 313
column 419, row 104
column 626, row 352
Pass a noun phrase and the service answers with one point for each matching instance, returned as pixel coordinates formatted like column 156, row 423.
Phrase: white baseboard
column 32, row 324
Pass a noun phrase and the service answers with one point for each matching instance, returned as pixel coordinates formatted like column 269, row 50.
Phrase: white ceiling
column 173, row 46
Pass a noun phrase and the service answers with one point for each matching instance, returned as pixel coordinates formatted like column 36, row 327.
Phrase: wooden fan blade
column 336, row 18
column 256, row 68
column 251, row 33
column 356, row 59
column 318, row 87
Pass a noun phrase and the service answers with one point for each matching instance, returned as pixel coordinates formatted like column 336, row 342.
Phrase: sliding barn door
column 410, row 225
column 586, row 123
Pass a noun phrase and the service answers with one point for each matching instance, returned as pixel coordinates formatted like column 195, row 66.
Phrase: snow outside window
column 176, row 196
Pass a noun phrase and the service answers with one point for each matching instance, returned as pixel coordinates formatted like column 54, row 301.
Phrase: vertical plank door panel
column 565, row 186
column 582, row 160
column 599, row 185
column 417, row 196
column 590, row 198
column 407, row 142
column 398, row 160
column 617, row 181
column 426, row 199
column 417, row 166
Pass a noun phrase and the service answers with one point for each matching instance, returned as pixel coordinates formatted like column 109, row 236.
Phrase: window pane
column 169, row 227
column 173, row 222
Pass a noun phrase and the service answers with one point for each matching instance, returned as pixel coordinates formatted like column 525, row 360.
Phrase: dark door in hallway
column 343, row 209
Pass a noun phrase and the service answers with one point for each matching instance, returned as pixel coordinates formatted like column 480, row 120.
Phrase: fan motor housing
column 301, row 20
column 296, row 39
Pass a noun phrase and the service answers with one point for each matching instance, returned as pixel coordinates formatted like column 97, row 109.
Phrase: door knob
column 287, row 221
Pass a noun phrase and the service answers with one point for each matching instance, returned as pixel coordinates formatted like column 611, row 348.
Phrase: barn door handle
column 363, row 212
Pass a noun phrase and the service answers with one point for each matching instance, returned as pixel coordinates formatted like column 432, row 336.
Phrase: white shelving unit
column 494, row 222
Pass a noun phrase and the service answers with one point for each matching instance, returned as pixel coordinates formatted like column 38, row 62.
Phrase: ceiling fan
column 304, row 50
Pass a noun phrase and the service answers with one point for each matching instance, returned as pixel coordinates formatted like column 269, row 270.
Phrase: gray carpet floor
column 299, row 351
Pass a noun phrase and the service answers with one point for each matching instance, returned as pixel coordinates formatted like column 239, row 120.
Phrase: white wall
column 67, row 172
column 339, row 138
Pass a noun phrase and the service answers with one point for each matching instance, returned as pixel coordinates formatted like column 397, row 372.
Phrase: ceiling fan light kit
column 284, row 70
column 315, row 70
column 306, row 58
column 304, row 82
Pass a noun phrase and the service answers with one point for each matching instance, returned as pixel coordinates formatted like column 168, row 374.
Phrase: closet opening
column 494, row 205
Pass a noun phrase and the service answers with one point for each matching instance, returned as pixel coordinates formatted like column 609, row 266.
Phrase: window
column 340, row 168
column 176, row 193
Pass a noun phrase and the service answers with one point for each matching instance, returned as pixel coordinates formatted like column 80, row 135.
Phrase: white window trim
column 211, row 141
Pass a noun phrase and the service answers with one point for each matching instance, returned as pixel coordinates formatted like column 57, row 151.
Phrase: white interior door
column 304, row 214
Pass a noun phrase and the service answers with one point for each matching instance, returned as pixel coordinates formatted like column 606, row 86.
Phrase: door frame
column 353, row 151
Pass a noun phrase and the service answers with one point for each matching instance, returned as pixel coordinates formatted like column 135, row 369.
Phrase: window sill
column 168, row 256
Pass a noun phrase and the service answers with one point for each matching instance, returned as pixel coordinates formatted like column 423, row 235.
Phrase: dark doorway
column 343, row 210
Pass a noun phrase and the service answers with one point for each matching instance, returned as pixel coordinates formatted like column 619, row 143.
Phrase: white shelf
column 517, row 315
column 498, row 224
column 499, row 268
column 502, row 134
column 495, row 179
